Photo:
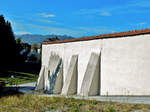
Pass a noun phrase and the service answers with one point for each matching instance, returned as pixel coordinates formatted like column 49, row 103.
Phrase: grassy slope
column 33, row 103
column 22, row 74
column 19, row 77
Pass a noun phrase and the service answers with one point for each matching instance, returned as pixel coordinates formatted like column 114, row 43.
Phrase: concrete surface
column 31, row 84
column 59, row 82
column 53, row 77
column 66, row 50
column 90, row 84
column 70, row 84
column 124, row 62
column 28, row 88
column 119, row 99
column 40, row 81
column 125, row 66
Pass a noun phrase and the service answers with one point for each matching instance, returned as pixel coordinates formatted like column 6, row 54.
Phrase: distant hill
column 35, row 38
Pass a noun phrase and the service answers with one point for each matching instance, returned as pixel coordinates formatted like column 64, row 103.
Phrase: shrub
column 2, row 85
column 110, row 109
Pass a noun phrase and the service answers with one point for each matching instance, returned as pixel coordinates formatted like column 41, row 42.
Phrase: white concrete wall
column 125, row 62
column 125, row 66
column 66, row 50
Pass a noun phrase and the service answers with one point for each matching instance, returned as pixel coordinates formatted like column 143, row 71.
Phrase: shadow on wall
column 52, row 77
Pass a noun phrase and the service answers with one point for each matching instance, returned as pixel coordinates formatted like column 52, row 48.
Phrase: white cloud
column 22, row 33
column 17, row 26
column 100, row 12
column 142, row 23
column 140, row 3
column 135, row 6
column 45, row 21
column 49, row 15
column 139, row 24
column 88, row 11
column 105, row 14
column 77, row 32
column 50, row 22
column 45, row 15
column 97, row 30
column 55, row 30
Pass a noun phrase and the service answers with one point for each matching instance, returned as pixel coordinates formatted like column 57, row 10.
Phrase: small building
column 109, row 64
column 39, row 48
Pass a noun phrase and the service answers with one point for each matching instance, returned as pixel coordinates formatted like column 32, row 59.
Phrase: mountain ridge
column 38, row 38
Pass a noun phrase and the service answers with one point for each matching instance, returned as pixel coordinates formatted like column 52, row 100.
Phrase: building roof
column 112, row 35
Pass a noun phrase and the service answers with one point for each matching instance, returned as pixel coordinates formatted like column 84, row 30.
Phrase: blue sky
column 76, row 17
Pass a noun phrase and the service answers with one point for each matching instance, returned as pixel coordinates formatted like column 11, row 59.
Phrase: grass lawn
column 22, row 73
column 34, row 103
column 19, row 77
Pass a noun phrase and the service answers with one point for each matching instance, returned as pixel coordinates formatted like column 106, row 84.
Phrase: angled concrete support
column 59, row 82
column 41, row 81
column 46, row 82
column 91, row 81
column 70, row 85
column 55, row 75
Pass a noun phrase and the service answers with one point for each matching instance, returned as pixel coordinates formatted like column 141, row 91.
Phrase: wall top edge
column 104, row 36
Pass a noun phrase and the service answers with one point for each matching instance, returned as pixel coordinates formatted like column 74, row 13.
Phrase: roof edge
column 111, row 35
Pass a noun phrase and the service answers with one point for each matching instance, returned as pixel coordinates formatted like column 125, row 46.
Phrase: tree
column 18, row 40
column 22, row 51
column 19, row 46
column 7, row 43
column 34, row 47
column 32, row 58
column 52, row 39
column 26, row 49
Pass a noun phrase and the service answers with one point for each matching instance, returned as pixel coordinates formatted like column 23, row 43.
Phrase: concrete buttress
column 54, row 75
column 91, row 81
column 41, row 81
column 70, row 85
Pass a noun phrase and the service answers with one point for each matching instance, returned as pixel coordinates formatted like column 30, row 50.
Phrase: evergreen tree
column 7, row 44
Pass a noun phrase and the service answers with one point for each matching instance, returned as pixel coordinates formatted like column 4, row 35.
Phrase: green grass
column 34, row 103
column 19, row 77
column 23, row 73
